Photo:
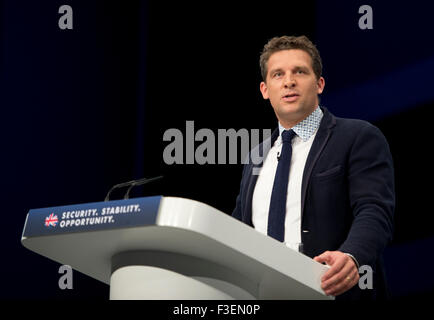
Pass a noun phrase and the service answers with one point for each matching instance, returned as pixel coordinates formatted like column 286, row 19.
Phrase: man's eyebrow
column 305, row 68
column 275, row 70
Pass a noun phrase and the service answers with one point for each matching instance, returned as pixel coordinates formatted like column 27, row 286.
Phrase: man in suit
column 326, row 185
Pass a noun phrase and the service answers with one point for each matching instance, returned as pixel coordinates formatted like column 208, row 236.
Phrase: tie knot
column 287, row 135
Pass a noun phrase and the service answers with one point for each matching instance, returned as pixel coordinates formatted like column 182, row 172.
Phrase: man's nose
column 289, row 81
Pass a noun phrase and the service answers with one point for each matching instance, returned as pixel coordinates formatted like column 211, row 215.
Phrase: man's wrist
column 354, row 259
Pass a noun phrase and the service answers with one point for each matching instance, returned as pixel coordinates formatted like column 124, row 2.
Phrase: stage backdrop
column 86, row 102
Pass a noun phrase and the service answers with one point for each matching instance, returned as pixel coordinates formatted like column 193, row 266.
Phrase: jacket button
column 305, row 231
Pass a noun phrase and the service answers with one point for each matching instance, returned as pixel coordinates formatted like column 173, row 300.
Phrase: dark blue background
column 84, row 109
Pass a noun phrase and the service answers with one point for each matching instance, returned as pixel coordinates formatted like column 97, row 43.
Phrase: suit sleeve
column 371, row 194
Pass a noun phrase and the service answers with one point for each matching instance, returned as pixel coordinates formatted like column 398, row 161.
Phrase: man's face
column 291, row 86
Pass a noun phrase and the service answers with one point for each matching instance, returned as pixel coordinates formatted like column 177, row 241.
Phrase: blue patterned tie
column 277, row 212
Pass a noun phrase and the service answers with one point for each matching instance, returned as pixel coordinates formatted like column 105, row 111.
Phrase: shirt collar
column 306, row 128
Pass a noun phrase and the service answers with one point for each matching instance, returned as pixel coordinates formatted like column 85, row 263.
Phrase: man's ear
column 264, row 90
column 320, row 83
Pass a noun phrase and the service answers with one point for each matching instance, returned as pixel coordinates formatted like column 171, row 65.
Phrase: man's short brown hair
column 286, row 43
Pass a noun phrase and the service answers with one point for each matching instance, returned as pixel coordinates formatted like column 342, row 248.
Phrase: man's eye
column 277, row 74
column 300, row 71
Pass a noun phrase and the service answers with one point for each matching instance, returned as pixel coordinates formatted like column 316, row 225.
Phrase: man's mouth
column 290, row 97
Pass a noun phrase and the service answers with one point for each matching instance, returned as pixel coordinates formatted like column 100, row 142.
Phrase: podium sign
column 92, row 217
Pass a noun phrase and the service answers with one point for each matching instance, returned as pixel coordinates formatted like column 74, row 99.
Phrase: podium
column 171, row 248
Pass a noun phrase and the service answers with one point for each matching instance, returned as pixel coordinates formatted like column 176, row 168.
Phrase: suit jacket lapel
column 322, row 136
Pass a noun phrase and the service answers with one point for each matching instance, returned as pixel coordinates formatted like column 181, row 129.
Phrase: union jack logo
column 51, row 220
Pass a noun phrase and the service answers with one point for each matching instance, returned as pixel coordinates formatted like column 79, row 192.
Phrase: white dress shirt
column 301, row 144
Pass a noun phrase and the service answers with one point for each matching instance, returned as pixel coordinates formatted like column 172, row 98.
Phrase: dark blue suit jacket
column 347, row 197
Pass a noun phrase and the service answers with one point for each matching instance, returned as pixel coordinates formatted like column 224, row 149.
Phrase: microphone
column 130, row 184
column 278, row 156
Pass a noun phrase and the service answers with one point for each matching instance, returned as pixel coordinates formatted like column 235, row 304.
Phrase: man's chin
column 291, row 115
column 290, row 111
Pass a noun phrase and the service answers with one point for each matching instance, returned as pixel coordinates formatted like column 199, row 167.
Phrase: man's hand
column 342, row 275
